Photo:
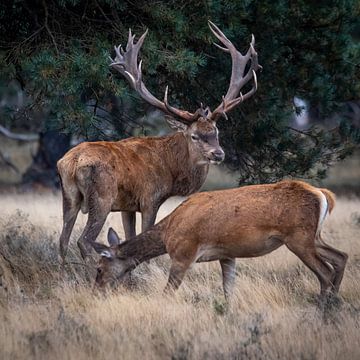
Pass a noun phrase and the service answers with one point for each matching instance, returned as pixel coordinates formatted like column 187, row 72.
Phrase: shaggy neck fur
column 187, row 167
column 143, row 247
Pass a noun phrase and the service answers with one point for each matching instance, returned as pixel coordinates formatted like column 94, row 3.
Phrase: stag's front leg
column 148, row 217
column 228, row 273
column 129, row 224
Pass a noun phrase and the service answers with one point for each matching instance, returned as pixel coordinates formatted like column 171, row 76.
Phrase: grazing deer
column 223, row 225
column 139, row 174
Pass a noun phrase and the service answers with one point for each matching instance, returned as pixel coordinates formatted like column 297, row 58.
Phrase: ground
column 49, row 314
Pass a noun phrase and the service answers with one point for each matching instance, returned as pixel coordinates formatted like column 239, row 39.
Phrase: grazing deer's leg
column 71, row 207
column 311, row 258
column 337, row 259
column 176, row 276
column 129, row 221
column 228, row 273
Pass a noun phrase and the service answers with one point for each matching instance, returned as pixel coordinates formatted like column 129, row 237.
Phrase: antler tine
column 130, row 42
column 253, row 89
column 126, row 63
column 141, row 39
column 140, row 71
column 166, row 95
column 220, row 35
column 118, row 53
column 232, row 103
column 221, row 48
column 189, row 117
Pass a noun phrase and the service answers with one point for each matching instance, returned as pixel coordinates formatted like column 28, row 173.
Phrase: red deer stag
column 223, row 225
column 139, row 174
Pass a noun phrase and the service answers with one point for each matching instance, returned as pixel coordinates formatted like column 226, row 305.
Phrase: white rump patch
column 323, row 211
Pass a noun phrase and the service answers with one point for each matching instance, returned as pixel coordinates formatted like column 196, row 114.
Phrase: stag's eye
column 99, row 271
column 194, row 137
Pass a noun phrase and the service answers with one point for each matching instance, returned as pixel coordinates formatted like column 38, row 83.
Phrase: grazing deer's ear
column 107, row 254
column 175, row 124
column 99, row 248
column 113, row 237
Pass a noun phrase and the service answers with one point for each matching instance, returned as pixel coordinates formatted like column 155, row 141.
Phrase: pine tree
column 58, row 52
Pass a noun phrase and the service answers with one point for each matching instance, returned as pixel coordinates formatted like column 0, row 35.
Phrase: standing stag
column 139, row 174
column 223, row 225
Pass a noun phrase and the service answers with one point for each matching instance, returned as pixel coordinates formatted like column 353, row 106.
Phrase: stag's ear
column 102, row 249
column 113, row 237
column 175, row 124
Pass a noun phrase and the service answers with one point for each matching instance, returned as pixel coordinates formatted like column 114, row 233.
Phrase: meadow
column 50, row 313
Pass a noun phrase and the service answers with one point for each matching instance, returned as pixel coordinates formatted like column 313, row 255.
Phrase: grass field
column 49, row 314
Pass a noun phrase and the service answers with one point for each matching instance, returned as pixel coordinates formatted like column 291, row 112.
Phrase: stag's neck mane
column 188, row 168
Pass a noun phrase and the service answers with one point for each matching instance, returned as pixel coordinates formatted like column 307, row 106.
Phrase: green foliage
column 58, row 52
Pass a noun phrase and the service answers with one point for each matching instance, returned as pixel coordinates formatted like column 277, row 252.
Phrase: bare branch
column 46, row 25
column 14, row 136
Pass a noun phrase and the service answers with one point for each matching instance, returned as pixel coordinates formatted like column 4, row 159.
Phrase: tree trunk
column 42, row 171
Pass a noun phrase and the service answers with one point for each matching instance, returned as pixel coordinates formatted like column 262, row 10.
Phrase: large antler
column 126, row 62
column 239, row 78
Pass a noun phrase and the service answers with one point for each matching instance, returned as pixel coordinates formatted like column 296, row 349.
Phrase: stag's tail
column 327, row 203
column 330, row 198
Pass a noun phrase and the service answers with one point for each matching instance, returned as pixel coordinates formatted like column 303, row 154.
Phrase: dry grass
column 46, row 314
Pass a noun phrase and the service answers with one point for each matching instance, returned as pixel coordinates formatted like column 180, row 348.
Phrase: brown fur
column 139, row 174
column 136, row 174
column 245, row 222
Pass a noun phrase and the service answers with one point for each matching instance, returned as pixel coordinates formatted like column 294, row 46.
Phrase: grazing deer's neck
column 145, row 246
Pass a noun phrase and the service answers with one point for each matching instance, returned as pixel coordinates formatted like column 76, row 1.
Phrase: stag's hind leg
column 71, row 207
column 98, row 188
column 337, row 260
column 98, row 212
column 307, row 252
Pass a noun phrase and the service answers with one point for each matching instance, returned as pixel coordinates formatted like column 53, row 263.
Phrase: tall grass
column 47, row 313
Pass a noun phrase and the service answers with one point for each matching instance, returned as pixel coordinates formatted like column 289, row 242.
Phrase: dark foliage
column 57, row 51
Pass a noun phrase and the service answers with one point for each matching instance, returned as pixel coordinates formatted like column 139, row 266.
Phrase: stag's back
column 133, row 172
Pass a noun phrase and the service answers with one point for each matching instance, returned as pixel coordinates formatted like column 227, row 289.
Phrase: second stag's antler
column 126, row 62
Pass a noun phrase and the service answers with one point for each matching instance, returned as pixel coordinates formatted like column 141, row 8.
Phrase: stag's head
column 202, row 136
column 199, row 127
column 112, row 266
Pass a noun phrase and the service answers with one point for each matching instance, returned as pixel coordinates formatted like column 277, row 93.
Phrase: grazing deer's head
column 199, row 127
column 111, row 266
